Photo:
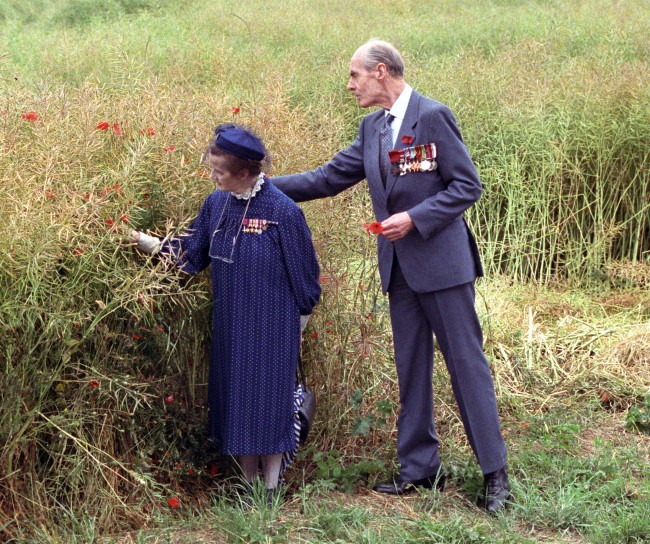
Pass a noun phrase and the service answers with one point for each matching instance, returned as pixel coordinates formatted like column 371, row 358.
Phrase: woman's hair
column 236, row 164
column 376, row 51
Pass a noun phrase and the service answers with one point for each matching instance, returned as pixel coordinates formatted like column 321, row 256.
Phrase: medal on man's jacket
column 256, row 226
column 418, row 158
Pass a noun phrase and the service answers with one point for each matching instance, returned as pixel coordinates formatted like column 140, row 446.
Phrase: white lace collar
column 250, row 193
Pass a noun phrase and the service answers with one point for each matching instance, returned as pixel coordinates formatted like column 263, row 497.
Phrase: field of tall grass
column 105, row 110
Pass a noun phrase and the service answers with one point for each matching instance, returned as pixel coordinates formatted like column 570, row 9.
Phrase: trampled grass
column 95, row 339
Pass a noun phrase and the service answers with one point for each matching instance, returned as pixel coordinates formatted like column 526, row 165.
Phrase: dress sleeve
column 300, row 260
column 191, row 250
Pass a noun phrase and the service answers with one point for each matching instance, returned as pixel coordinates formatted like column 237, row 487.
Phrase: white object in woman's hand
column 146, row 243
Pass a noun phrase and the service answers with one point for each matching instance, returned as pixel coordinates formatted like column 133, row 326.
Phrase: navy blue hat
column 239, row 142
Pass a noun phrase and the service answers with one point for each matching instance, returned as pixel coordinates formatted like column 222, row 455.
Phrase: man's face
column 364, row 84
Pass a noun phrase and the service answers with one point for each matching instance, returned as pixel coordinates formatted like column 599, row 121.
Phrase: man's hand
column 397, row 226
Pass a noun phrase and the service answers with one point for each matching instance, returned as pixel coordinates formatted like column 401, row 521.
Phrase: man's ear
column 383, row 71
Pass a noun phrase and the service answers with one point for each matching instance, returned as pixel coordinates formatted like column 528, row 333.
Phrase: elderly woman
column 264, row 278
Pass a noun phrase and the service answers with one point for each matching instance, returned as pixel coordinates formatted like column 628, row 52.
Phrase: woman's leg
column 249, row 465
column 271, row 468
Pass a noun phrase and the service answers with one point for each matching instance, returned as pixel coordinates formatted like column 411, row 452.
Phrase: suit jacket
column 440, row 252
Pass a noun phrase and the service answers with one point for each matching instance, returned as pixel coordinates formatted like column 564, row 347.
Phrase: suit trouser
column 450, row 314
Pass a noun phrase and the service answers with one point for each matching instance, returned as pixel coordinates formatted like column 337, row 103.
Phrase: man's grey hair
column 375, row 51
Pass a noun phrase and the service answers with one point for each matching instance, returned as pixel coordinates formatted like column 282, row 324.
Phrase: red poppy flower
column 236, row 110
column 394, row 155
column 314, row 335
column 173, row 502
column 148, row 131
column 87, row 195
column 375, row 227
column 30, row 116
column 78, row 252
column 170, row 148
column 406, row 139
column 109, row 222
column 50, row 194
column 103, row 125
column 190, row 471
column 124, row 219
column 323, row 279
column 169, row 399
column 93, row 384
column 136, row 336
column 116, row 129
column 214, row 470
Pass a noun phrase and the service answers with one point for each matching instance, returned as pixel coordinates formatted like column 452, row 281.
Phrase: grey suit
column 429, row 276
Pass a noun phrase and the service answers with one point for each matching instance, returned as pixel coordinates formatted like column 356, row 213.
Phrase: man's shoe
column 398, row 486
column 496, row 491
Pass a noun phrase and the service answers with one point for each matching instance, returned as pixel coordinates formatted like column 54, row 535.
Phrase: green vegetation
column 103, row 351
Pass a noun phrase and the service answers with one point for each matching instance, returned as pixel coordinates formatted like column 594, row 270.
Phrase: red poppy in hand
column 375, row 227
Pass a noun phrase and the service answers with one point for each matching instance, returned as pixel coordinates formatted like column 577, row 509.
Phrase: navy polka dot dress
column 258, row 300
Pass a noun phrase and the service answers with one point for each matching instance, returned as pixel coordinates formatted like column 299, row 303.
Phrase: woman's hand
column 144, row 242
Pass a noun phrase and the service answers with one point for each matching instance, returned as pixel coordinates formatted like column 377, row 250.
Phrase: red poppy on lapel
column 407, row 140
column 395, row 155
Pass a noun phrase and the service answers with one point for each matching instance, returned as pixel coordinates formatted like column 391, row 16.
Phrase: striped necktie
column 385, row 145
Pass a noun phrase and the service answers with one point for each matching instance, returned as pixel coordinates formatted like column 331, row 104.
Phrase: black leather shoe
column 398, row 486
column 496, row 491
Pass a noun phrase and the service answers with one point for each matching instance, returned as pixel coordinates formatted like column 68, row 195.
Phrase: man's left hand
column 397, row 226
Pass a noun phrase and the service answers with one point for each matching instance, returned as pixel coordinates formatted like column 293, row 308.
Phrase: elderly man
column 428, row 262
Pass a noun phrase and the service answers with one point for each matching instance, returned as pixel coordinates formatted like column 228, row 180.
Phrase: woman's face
column 224, row 178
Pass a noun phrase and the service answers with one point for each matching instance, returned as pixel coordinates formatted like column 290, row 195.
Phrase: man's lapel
column 407, row 129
